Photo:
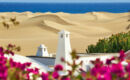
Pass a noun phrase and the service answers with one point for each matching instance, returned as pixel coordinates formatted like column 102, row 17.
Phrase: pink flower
column 65, row 78
column 117, row 69
column 28, row 64
column 113, row 58
column 34, row 71
column 10, row 45
column 12, row 53
column 1, row 51
column 44, row 76
column 3, row 60
column 55, row 75
column 9, row 52
column 122, row 55
column 29, row 70
column 3, row 68
column 12, row 63
column 108, row 61
column 128, row 68
column 104, row 70
column 1, row 54
column 83, row 74
column 94, row 71
column 89, row 79
column 58, row 67
column 104, row 77
column 62, row 59
column 28, row 77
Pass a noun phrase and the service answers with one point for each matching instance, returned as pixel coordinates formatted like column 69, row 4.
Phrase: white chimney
column 64, row 49
column 42, row 51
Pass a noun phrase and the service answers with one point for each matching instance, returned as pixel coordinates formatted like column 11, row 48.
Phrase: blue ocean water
column 65, row 7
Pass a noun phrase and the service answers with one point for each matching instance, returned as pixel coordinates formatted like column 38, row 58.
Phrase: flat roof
column 41, row 57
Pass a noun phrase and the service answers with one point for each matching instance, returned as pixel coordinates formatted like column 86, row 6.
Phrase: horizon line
column 63, row 2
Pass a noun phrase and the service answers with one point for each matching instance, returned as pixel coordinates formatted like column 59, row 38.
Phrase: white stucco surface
column 64, row 49
column 102, row 56
column 42, row 51
column 35, row 64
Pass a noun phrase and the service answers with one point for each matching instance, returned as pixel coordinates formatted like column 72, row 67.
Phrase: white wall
column 64, row 49
column 86, row 60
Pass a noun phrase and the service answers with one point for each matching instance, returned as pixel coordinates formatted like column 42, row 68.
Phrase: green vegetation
column 113, row 44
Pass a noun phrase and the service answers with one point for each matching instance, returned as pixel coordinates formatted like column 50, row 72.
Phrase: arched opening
column 61, row 35
column 44, row 49
column 66, row 35
column 40, row 49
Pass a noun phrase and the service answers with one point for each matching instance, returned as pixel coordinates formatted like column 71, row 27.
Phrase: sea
column 65, row 7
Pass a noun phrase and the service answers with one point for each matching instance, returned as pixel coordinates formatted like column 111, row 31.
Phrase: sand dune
column 51, row 17
column 42, row 28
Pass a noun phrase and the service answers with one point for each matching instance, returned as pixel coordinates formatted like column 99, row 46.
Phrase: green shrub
column 113, row 44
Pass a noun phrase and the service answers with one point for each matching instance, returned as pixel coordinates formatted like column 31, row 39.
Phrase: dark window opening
column 61, row 35
column 66, row 35
column 44, row 49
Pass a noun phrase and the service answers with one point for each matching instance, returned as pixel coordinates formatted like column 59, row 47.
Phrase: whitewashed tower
column 42, row 51
column 64, row 49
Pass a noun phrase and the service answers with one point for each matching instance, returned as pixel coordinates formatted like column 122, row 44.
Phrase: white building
column 42, row 51
column 35, row 64
column 64, row 49
column 87, row 58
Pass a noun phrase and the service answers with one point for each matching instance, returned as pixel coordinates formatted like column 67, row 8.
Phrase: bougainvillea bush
column 112, row 69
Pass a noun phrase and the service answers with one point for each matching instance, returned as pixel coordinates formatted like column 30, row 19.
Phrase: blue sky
column 65, row 1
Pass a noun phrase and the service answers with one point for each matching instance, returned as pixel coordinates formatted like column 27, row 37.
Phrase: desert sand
column 42, row 28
